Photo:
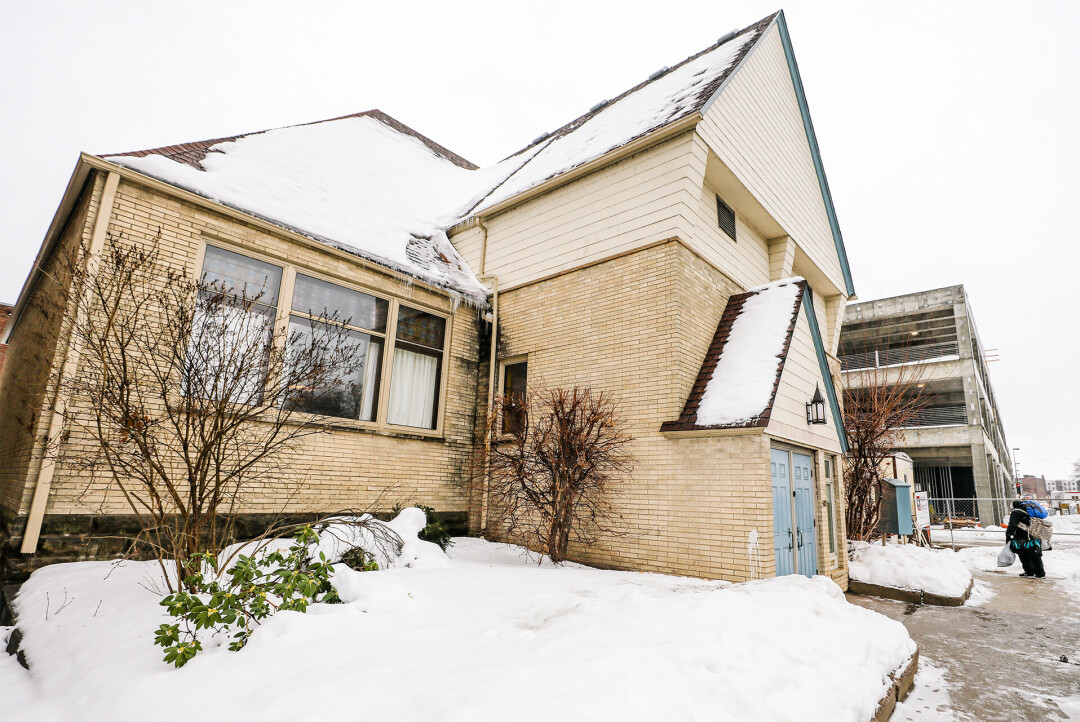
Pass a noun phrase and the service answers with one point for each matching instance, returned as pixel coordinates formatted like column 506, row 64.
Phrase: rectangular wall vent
column 725, row 217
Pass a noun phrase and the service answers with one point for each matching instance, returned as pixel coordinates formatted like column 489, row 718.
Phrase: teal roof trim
column 811, row 137
column 823, row 365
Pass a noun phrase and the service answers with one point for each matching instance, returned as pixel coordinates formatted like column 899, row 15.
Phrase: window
column 233, row 324
column 830, row 501
column 243, row 294
column 414, row 380
column 356, row 395
column 725, row 218
column 515, row 383
column 830, row 510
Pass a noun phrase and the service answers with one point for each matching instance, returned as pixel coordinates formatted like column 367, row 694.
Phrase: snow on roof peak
column 665, row 97
column 363, row 183
column 371, row 186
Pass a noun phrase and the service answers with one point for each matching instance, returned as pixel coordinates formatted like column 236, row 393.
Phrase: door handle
column 799, row 532
column 791, row 540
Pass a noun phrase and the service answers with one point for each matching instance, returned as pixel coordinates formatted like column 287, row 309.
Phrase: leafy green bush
column 435, row 531
column 359, row 559
column 252, row 589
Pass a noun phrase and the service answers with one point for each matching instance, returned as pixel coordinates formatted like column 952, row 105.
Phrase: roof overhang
column 89, row 163
column 79, row 177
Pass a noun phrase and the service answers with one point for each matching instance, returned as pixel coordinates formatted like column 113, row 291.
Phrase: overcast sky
column 948, row 129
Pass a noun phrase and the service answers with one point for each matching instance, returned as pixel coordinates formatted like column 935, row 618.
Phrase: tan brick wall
column 345, row 467
column 32, row 357
column 638, row 326
column 5, row 316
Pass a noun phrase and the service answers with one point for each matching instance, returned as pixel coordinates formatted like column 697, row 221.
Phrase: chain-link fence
column 967, row 522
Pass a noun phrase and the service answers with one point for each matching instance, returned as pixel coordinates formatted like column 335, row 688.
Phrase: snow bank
column 491, row 636
column 742, row 383
column 937, row 571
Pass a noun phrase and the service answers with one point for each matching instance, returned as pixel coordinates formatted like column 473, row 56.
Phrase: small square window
column 725, row 218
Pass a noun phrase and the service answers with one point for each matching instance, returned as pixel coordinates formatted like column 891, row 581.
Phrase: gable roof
column 740, row 375
column 815, row 152
column 666, row 97
column 363, row 183
column 736, row 386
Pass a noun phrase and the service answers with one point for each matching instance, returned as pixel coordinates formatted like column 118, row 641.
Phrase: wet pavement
column 997, row 660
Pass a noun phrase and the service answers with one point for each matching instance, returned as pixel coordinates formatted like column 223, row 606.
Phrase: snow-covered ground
column 488, row 635
column 938, row 571
column 1062, row 563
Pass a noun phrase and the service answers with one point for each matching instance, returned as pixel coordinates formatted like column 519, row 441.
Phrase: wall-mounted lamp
column 815, row 408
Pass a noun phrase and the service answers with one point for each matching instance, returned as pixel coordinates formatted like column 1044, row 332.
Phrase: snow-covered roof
column 363, row 183
column 666, row 97
column 739, row 377
column 371, row 186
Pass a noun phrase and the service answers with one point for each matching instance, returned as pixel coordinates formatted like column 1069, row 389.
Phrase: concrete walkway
column 994, row 660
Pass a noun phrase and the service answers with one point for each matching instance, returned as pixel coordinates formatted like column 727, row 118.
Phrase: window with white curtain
column 417, row 369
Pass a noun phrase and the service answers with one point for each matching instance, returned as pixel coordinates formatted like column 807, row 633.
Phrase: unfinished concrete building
column 957, row 440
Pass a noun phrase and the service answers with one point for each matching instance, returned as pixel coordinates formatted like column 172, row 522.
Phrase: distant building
column 957, row 442
column 1034, row 486
column 1064, row 488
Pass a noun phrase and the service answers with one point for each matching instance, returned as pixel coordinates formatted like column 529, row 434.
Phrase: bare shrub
column 552, row 466
column 185, row 394
column 877, row 408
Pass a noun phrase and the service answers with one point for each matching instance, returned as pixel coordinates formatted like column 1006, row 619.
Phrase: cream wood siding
column 801, row 374
column 470, row 244
column 756, row 129
column 642, row 199
column 746, row 259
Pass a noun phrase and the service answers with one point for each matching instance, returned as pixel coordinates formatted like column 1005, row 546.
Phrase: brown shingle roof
column 687, row 421
column 194, row 152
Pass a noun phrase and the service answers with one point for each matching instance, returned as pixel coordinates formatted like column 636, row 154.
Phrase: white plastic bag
column 1006, row 557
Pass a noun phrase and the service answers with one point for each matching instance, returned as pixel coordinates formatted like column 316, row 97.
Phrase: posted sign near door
column 922, row 509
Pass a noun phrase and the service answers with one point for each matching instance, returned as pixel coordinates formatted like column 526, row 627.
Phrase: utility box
column 896, row 509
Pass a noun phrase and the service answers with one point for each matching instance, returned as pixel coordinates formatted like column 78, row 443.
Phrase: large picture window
column 238, row 318
column 355, row 395
column 414, row 380
column 232, row 327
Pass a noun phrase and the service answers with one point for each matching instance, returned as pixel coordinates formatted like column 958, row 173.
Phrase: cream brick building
column 676, row 246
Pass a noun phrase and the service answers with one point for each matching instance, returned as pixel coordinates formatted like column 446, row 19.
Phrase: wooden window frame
column 281, row 332
column 501, row 382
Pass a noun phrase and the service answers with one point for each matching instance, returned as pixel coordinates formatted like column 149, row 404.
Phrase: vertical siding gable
column 756, row 128
column 802, row 373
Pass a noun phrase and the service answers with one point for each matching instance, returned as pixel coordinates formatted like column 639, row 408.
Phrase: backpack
column 1039, row 529
column 1035, row 509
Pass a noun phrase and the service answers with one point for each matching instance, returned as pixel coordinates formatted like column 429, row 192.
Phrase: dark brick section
column 687, row 421
column 195, row 152
column 83, row 537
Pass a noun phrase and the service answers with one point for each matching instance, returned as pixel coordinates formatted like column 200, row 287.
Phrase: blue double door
column 794, row 526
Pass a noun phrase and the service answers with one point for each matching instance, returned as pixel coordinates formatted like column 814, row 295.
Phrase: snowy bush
column 251, row 589
column 435, row 531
